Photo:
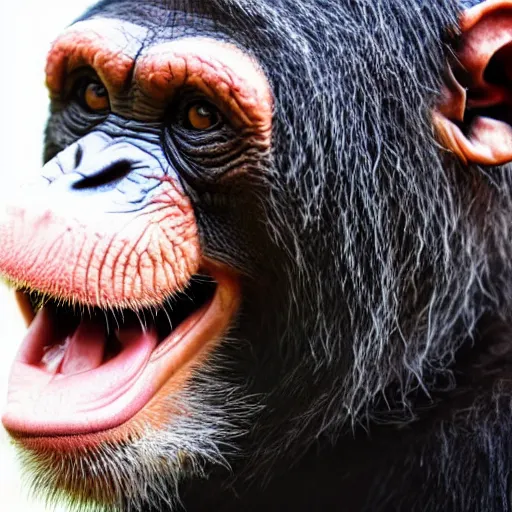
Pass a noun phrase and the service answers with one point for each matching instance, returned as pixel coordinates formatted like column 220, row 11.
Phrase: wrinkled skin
column 368, row 365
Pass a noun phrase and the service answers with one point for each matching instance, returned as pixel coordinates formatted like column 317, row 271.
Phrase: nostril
column 107, row 176
column 78, row 155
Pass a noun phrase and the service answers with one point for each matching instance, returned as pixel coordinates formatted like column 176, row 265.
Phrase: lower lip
column 194, row 338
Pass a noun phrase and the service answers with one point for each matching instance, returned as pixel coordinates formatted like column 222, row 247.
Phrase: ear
column 474, row 116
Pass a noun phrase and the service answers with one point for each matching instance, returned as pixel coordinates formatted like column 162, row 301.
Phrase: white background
column 27, row 28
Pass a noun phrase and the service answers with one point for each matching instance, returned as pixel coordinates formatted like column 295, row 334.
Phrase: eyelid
column 78, row 75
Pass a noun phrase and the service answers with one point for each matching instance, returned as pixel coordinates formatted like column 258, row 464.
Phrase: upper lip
column 166, row 315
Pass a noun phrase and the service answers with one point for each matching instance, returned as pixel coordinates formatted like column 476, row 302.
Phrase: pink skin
column 43, row 402
column 486, row 35
column 96, row 397
column 65, row 387
column 101, row 44
column 125, row 260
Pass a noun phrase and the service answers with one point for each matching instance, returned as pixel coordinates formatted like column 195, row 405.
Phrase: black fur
column 369, row 369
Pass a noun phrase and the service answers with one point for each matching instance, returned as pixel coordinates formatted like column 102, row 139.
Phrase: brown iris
column 202, row 116
column 95, row 97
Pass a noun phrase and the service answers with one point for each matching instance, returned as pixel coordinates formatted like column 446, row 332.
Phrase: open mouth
column 86, row 369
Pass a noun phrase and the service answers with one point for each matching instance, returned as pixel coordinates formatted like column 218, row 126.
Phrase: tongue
column 62, row 384
column 82, row 351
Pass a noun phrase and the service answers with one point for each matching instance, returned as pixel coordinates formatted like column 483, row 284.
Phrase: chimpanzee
column 267, row 265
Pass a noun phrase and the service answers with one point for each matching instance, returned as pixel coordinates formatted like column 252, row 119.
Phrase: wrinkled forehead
column 167, row 17
column 115, row 34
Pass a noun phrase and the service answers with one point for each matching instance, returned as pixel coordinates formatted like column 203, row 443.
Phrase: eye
column 202, row 116
column 91, row 94
column 96, row 97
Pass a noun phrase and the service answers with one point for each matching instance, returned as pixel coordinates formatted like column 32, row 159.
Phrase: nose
column 94, row 163
column 105, row 176
column 104, row 173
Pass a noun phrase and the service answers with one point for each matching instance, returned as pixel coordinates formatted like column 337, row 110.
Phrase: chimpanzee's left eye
column 202, row 116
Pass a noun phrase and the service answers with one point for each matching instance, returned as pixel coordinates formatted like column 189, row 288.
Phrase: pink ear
column 474, row 115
